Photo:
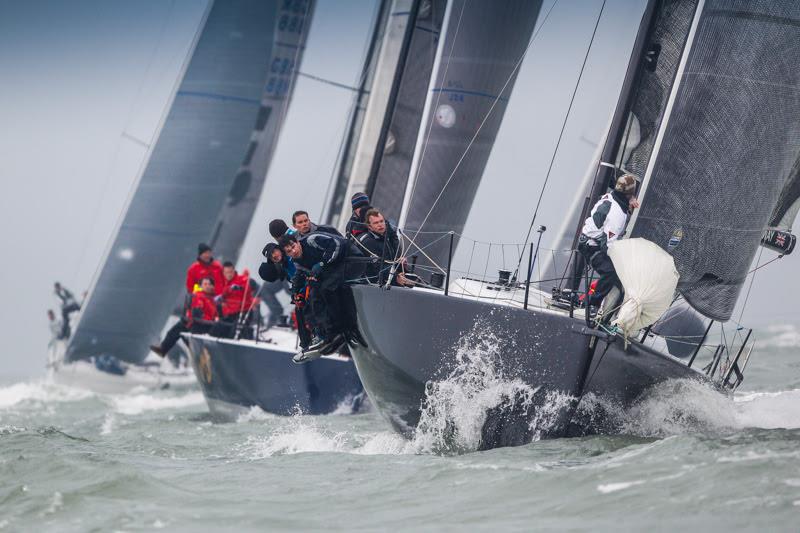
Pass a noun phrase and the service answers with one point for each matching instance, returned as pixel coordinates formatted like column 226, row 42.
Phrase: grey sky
column 75, row 75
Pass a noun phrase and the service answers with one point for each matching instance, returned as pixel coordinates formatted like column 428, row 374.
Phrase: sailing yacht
column 238, row 374
column 707, row 115
column 213, row 144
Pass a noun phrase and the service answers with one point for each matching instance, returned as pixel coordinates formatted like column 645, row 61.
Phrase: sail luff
column 335, row 207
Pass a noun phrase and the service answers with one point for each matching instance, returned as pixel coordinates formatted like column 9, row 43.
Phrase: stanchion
column 449, row 260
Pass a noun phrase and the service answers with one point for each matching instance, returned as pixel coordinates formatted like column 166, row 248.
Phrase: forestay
column 188, row 174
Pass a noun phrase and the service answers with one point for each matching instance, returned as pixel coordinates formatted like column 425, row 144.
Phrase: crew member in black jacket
column 381, row 242
column 322, row 258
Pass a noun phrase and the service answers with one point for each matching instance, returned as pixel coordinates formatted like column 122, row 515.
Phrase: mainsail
column 188, row 174
column 289, row 38
column 482, row 50
column 728, row 148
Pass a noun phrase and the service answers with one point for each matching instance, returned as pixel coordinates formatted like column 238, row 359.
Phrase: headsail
column 788, row 202
column 716, row 179
column 482, row 50
column 289, row 39
column 188, row 174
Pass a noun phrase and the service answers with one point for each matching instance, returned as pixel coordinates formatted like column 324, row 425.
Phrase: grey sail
column 189, row 172
column 788, row 205
column 288, row 43
column 392, row 164
column 368, row 108
column 715, row 179
column 484, row 44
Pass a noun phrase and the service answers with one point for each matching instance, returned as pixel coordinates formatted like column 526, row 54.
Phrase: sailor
column 380, row 241
column 278, row 228
column 205, row 267
column 322, row 258
column 236, row 301
column 304, row 226
column 56, row 326
column 605, row 224
column 69, row 305
column 277, row 272
column 200, row 317
column 357, row 224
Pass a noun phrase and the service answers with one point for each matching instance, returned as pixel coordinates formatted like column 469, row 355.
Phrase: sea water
column 72, row 460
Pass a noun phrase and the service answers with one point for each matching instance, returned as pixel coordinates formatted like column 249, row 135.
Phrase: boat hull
column 236, row 376
column 413, row 338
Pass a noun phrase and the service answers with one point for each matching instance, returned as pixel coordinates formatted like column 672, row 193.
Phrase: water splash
column 136, row 404
column 455, row 409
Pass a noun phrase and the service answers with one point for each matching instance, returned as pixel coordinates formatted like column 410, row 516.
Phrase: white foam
column 108, row 424
column 254, row 414
column 614, row 487
column 139, row 403
column 40, row 391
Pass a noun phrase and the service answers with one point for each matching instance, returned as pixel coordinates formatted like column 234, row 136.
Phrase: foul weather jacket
column 202, row 307
column 237, row 296
column 199, row 270
column 607, row 220
column 379, row 246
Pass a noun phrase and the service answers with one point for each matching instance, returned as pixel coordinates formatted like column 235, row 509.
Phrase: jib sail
column 483, row 46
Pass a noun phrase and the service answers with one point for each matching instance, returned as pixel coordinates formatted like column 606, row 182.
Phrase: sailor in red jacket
column 200, row 316
column 205, row 267
column 237, row 298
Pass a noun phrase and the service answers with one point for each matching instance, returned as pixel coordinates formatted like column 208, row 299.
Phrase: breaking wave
column 39, row 391
column 136, row 404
